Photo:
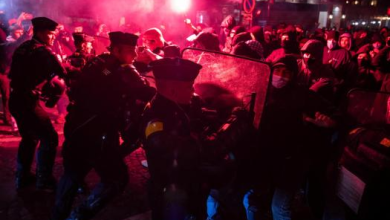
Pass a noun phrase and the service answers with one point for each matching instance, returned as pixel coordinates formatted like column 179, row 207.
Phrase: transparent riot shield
column 227, row 81
column 364, row 107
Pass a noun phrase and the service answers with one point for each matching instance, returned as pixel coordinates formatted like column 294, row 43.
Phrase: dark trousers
column 82, row 152
column 35, row 127
column 174, row 192
column 5, row 93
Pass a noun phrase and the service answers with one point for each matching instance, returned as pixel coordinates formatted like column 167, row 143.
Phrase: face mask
column 330, row 44
column 279, row 82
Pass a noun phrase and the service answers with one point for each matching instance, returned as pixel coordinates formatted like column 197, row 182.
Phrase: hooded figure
column 234, row 32
column 361, row 38
column 345, row 41
column 288, row 134
column 339, row 59
column 382, row 63
column 226, row 26
column 289, row 45
column 365, row 78
column 207, row 41
column 313, row 73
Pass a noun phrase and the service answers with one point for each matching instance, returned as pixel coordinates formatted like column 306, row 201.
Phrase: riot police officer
column 93, row 125
column 171, row 151
column 33, row 66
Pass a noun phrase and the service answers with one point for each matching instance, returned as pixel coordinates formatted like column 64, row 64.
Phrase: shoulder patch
column 153, row 127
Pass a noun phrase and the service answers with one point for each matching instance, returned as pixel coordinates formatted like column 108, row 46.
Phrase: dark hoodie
column 346, row 35
column 313, row 74
column 286, row 140
column 289, row 47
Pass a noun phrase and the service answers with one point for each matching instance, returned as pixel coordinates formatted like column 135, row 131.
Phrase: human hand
column 320, row 120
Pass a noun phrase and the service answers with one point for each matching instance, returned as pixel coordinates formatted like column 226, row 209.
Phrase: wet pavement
column 30, row 204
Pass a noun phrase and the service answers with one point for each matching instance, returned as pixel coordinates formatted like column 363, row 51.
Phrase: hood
column 258, row 33
column 315, row 48
column 290, row 62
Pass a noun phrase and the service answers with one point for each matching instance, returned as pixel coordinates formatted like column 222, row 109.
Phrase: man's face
column 344, row 42
column 17, row 33
column 284, row 40
column 283, row 72
column 149, row 42
column 377, row 45
column 126, row 54
column 47, row 37
column 285, row 37
column 87, row 47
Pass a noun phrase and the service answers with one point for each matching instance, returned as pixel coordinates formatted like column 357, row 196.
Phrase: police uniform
column 92, row 130
column 171, row 151
column 33, row 65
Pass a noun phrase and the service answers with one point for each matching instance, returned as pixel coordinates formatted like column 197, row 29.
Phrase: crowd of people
column 112, row 85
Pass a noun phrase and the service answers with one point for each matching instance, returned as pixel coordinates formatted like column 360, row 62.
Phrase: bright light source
column 330, row 16
column 356, row 2
column 347, row 2
column 343, row 16
column 336, row 9
column 180, row 6
column 363, row 23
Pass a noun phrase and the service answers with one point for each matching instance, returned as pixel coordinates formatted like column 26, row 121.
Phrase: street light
column 180, row 6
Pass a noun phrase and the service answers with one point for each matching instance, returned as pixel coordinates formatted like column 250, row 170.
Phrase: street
column 29, row 204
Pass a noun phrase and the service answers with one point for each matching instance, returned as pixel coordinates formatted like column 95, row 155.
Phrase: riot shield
column 365, row 107
column 227, row 81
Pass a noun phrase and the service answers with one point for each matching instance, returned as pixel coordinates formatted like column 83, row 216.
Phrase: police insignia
column 153, row 127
